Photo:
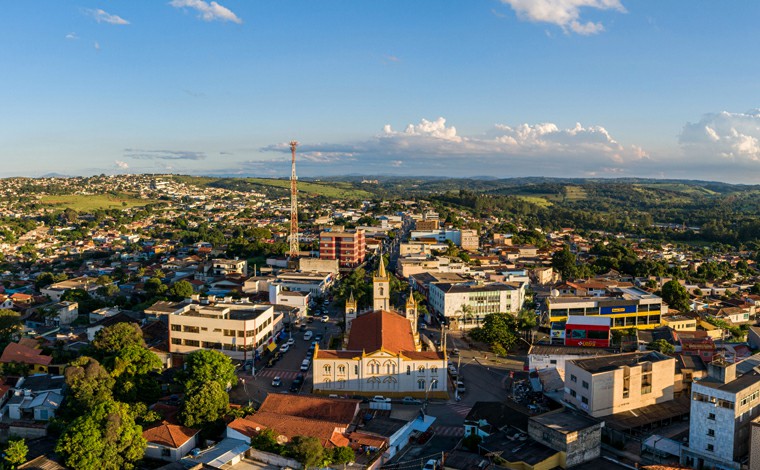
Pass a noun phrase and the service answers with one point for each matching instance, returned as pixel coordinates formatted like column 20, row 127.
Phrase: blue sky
column 605, row 88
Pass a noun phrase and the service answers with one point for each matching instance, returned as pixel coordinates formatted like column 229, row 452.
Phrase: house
column 577, row 438
column 169, row 441
column 35, row 398
column 16, row 353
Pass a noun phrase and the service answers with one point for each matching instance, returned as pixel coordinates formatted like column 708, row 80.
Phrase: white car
column 431, row 464
column 284, row 348
column 380, row 399
column 291, row 342
column 325, row 318
column 276, row 382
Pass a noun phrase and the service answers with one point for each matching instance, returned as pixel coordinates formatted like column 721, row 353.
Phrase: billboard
column 617, row 310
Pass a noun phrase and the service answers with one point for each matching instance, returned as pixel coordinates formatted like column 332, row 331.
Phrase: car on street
column 305, row 365
column 380, row 399
column 460, row 387
column 307, row 336
column 291, row 341
column 276, row 382
column 284, row 348
column 325, row 318
column 410, row 401
column 431, row 464
column 295, row 387
column 455, row 352
column 302, row 327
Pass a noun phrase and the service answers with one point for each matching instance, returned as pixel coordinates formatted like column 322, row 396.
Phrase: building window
column 421, row 370
column 584, row 400
column 421, row 384
column 176, row 327
column 408, row 370
column 166, row 453
column 572, row 393
column 710, row 448
column 433, row 370
column 356, row 370
column 341, row 369
column 711, row 432
column 711, row 416
column 176, row 341
column 327, row 369
column 573, row 378
column 585, row 385
column 553, row 361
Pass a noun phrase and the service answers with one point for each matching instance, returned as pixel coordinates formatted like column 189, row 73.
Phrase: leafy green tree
column 498, row 330
column 675, row 295
column 108, row 290
column 565, row 263
column 204, row 366
column 105, row 437
column 133, row 369
column 662, row 346
column 114, row 338
column 204, row 404
column 526, row 321
column 266, row 440
column 154, row 286
column 181, row 290
column 89, row 383
column 76, row 295
column 10, row 324
column 307, row 450
column 15, row 453
column 342, row 455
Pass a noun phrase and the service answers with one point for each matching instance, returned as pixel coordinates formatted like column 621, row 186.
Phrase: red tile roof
column 333, row 354
column 381, row 329
column 15, row 352
column 328, row 432
column 169, row 435
column 325, row 409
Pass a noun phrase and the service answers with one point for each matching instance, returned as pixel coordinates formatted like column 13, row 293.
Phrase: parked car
column 302, row 327
column 325, row 318
column 310, row 320
column 460, row 387
column 284, row 348
column 431, row 464
column 307, row 336
column 291, row 341
column 276, row 382
column 410, row 401
column 305, row 365
column 380, row 399
column 455, row 352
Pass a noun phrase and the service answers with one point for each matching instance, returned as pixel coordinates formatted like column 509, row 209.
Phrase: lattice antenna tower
column 294, row 249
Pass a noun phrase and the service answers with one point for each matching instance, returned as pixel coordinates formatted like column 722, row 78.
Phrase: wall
column 273, row 459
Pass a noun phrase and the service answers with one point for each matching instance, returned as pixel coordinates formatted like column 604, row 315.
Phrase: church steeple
column 411, row 310
column 350, row 313
column 381, row 286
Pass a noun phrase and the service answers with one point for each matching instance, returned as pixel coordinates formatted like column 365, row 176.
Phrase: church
column 381, row 353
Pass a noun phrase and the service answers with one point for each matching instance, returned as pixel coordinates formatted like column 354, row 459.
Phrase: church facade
column 382, row 353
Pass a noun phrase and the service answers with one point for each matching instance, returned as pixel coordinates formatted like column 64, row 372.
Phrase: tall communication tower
column 294, row 249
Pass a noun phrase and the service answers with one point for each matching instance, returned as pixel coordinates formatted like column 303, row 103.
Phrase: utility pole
column 294, row 249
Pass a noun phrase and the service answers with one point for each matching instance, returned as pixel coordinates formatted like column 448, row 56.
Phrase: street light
column 434, row 381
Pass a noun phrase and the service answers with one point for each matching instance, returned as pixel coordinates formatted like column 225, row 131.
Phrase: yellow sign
column 618, row 310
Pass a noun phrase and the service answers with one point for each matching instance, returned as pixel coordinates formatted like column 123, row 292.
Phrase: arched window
column 434, row 385
column 421, row 370
column 374, row 367
column 327, row 383
column 408, row 370
column 390, row 383
column 434, row 370
column 390, row 367
column 327, row 368
column 421, row 384
column 373, row 383
column 381, row 291
column 341, row 369
column 341, row 384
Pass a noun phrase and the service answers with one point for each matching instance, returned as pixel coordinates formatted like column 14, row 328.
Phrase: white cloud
column 431, row 144
column 563, row 13
column 103, row 17
column 208, row 11
column 121, row 165
column 96, row 45
column 72, row 36
column 728, row 135
column 142, row 154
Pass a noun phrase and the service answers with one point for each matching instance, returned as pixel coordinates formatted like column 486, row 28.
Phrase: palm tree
column 526, row 321
column 465, row 311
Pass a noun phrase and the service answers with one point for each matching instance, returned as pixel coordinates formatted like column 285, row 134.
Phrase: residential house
column 16, row 353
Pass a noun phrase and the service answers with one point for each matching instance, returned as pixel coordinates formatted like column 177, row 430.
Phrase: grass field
column 575, row 193
column 333, row 189
column 537, row 200
column 82, row 203
column 681, row 188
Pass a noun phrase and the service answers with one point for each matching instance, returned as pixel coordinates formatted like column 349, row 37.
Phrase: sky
column 496, row 88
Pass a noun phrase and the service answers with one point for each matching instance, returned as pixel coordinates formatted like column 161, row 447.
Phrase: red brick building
column 349, row 248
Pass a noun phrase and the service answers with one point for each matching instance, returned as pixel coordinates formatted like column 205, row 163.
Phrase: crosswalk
column 448, row 431
column 461, row 410
column 272, row 373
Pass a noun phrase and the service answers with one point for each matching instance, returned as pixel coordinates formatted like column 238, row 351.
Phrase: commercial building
column 236, row 330
column 225, row 267
column 587, row 331
column 628, row 307
column 606, row 385
column 465, row 239
column 723, row 406
column 315, row 283
column 349, row 248
column 467, row 304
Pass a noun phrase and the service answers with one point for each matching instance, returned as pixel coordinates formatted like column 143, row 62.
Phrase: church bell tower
column 381, row 286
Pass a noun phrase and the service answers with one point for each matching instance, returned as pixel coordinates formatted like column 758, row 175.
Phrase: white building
column 723, row 406
column 469, row 303
column 225, row 267
column 295, row 299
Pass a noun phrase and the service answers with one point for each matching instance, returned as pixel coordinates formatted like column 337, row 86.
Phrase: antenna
column 294, row 249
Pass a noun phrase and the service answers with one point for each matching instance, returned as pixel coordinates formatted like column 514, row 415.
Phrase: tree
column 204, row 366
column 662, row 346
column 342, row 455
column 204, row 404
column 498, row 330
column 463, row 315
column 526, row 321
column 154, row 286
column 307, row 450
column 15, row 453
column 266, row 440
column 132, row 367
column 181, row 290
column 675, row 295
column 106, row 437
column 89, row 383
column 565, row 263
column 10, row 324
column 114, row 338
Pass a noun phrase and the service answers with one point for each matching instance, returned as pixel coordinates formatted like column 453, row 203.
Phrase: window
column 433, row 370
column 421, row 370
column 434, row 385
column 165, row 453
column 553, row 361
column 711, row 416
column 572, row 393
column 327, row 369
column 585, row 385
column 710, row 448
column 584, row 400
column 408, row 370
column 573, row 378
column 356, row 370
column 176, row 341
column 191, row 329
column 421, row 384
column 176, row 328
column 192, row 342
column 711, row 432
column 341, row 369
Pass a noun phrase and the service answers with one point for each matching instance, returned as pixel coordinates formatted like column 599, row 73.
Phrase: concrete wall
column 578, row 446
column 273, row 459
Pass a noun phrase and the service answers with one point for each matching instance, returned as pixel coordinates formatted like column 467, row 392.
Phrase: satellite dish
column 555, row 293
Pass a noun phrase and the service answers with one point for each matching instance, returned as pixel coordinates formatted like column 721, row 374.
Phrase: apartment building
column 723, row 406
column 465, row 239
column 225, row 267
column 628, row 307
column 349, row 248
column 606, row 385
column 467, row 304
column 236, row 330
